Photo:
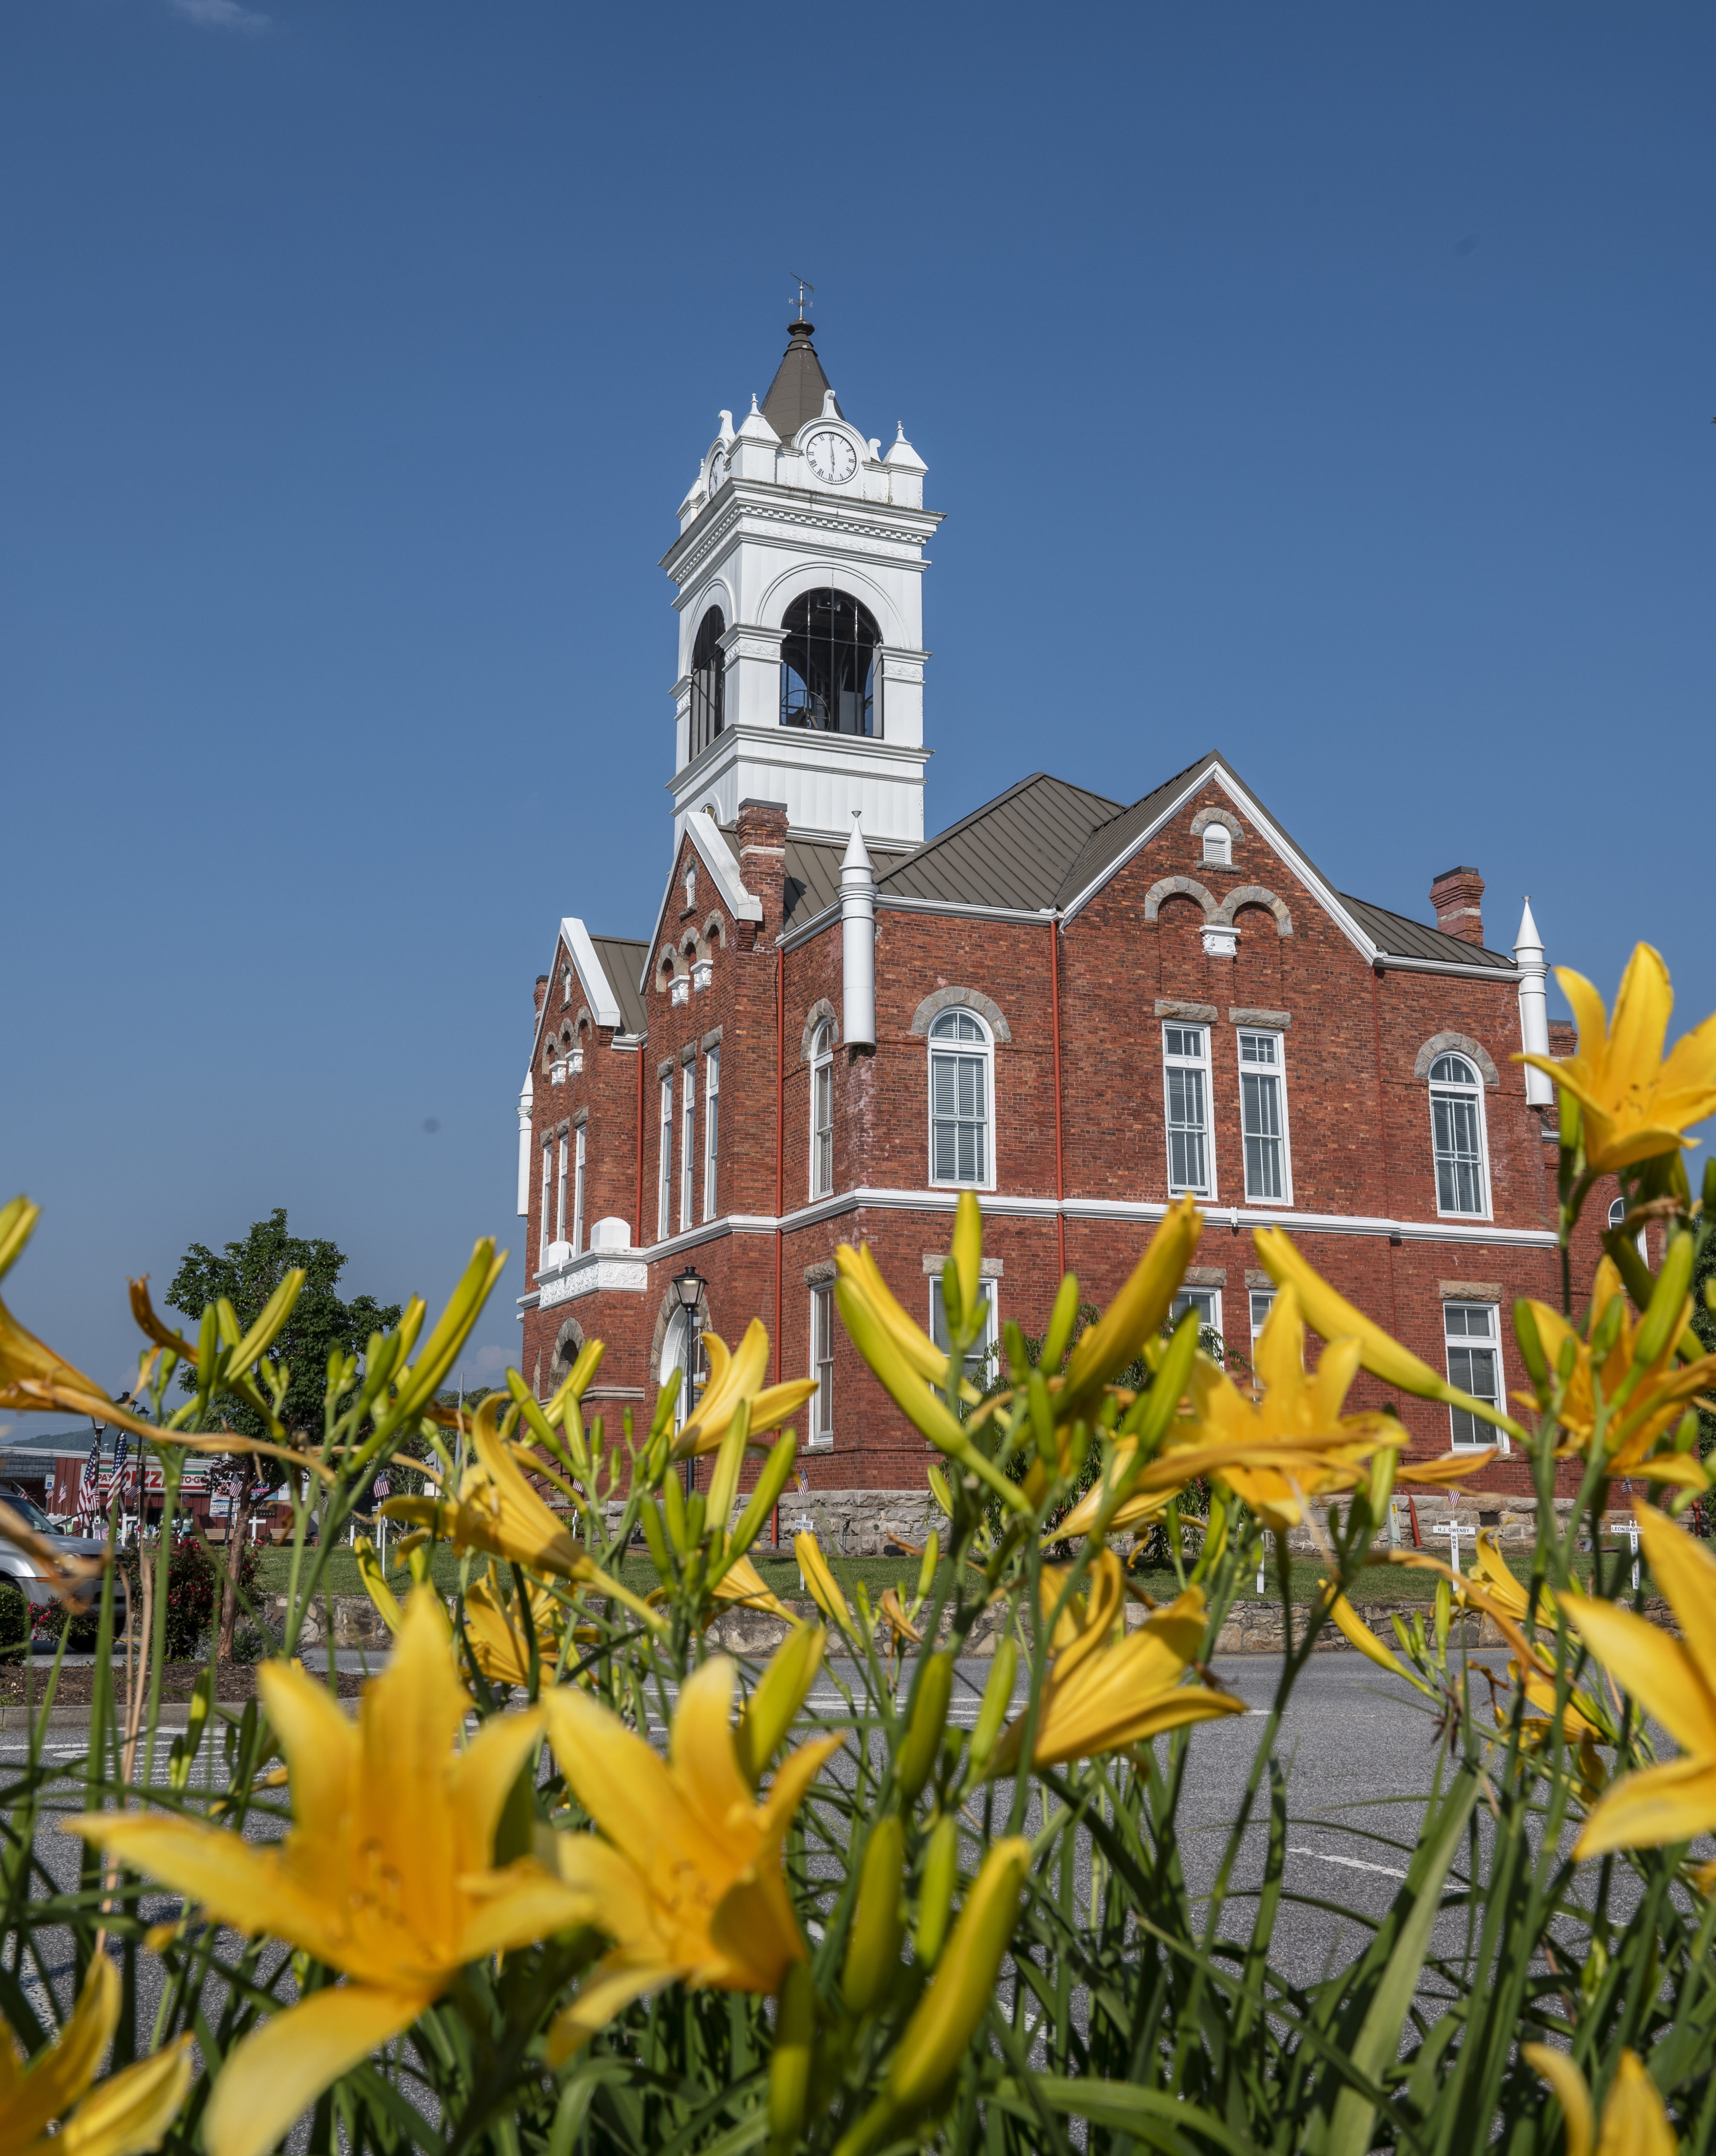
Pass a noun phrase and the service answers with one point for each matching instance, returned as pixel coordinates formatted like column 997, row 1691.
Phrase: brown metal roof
column 1108, row 840
column 812, row 876
column 622, row 960
column 800, row 385
column 1013, row 852
column 1405, row 938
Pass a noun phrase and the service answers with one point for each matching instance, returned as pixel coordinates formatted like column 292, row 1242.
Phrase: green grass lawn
column 1389, row 1584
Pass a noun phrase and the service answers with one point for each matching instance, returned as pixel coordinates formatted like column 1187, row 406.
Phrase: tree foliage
column 247, row 1273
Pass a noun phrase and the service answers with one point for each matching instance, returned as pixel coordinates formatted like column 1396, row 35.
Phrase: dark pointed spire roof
column 800, row 385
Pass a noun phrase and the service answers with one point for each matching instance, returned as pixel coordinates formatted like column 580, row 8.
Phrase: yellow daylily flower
column 497, row 1512
column 736, row 1376
column 1357, row 1634
column 1137, row 1314
column 1674, row 1680
column 1336, row 1318
column 30, row 1372
column 685, row 1874
column 820, row 1583
column 498, row 1640
column 123, row 2116
column 1634, row 2121
column 1658, row 1396
column 1106, row 1688
column 893, row 1610
column 859, row 1267
column 384, row 1876
column 1637, row 1103
column 744, row 1588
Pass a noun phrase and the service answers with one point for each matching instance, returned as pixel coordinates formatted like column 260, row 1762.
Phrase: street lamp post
column 689, row 1286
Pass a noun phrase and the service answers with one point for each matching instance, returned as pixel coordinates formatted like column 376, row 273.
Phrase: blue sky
column 1329, row 384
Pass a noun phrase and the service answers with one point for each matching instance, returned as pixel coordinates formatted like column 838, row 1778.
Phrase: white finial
column 899, row 430
column 1534, row 1008
column 753, row 400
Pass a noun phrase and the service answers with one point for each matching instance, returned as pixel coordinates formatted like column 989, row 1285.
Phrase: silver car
column 27, row 1573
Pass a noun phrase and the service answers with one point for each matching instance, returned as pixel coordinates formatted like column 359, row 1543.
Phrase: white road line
column 1352, row 1863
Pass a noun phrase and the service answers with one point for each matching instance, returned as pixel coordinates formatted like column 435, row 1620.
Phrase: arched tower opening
column 827, row 664
column 708, row 680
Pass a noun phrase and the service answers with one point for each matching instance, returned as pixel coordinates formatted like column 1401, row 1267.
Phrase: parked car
column 27, row 1573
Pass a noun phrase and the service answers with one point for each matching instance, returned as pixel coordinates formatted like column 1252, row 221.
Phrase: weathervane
column 803, row 289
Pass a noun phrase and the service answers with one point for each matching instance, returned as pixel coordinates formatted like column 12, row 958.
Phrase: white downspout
column 1533, row 1008
column 526, row 1093
column 857, row 941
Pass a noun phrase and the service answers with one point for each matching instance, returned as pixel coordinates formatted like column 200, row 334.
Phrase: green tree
column 247, row 1273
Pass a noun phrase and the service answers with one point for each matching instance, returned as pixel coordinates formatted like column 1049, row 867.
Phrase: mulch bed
column 76, row 1686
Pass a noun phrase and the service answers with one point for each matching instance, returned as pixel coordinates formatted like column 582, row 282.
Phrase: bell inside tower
column 828, row 668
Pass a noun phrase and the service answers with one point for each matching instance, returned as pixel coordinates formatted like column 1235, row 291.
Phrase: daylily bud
column 873, row 1946
column 1531, row 1346
column 944, row 1497
column 927, row 1569
column 967, row 1258
column 772, row 1480
column 789, row 2062
column 773, row 1707
column 1607, row 1330
column 673, row 1498
column 207, row 1343
column 935, row 1899
column 17, row 1220
column 1062, row 1320
column 1042, row 1419
column 923, row 1731
column 997, row 1698
column 1018, row 1362
column 939, row 2033
column 729, row 1457
column 649, row 1519
column 1661, row 1320
column 1444, row 1615
column 1383, row 1463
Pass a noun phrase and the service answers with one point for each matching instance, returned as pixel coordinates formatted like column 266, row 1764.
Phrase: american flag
column 89, row 1507
column 115, row 1480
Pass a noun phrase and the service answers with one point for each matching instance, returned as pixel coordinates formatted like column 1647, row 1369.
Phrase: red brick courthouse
column 1077, row 1006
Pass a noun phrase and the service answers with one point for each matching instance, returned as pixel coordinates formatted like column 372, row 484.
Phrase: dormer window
column 708, row 681
column 828, row 667
column 1218, row 846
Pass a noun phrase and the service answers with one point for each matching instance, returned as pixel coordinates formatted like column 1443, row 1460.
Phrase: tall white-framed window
column 577, row 1190
column 547, row 1172
column 683, row 1336
column 980, row 1356
column 560, row 1194
column 711, row 1127
column 822, row 1112
column 961, row 1085
column 664, row 1199
column 1185, row 1071
column 687, row 1138
column 1471, row 1332
column 1263, row 1118
column 1617, row 1215
column 1262, row 1302
column 1457, row 1137
column 822, row 1365
column 1205, row 1301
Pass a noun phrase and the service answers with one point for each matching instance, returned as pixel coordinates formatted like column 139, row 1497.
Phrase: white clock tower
column 800, row 577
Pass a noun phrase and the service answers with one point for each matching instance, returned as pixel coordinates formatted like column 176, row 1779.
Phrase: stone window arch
column 1229, row 822
column 714, row 934
column 1176, row 887
column 821, row 1013
column 1458, row 1043
column 972, row 999
column 569, row 1346
column 1253, row 894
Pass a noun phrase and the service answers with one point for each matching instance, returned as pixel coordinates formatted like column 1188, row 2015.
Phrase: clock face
column 832, row 457
column 718, row 473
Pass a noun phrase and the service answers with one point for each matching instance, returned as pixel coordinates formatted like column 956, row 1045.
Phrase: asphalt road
column 1359, row 1750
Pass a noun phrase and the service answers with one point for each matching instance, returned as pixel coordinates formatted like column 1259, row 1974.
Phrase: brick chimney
column 762, row 867
column 1458, row 895
column 542, row 992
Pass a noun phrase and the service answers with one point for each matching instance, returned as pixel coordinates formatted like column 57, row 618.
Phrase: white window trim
column 1432, row 1087
column 688, row 1142
column 1221, row 839
column 577, row 1191
column 1190, row 1063
column 821, row 1061
column 681, row 1341
column 560, row 1193
column 1492, row 1436
column 822, row 1302
column 547, row 1183
column 990, row 1290
column 664, row 1197
column 1252, row 1296
column 712, row 1128
column 986, row 1049
column 1286, row 1141
column 1215, row 1319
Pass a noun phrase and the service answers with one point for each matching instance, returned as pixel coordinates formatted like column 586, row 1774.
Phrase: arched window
column 680, row 1334
column 961, row 1059
column 1218, row 846
column 708, row 680
column 827, row 664
column 1457, row 1137
column 1617, row 1213
column 822, row 1112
